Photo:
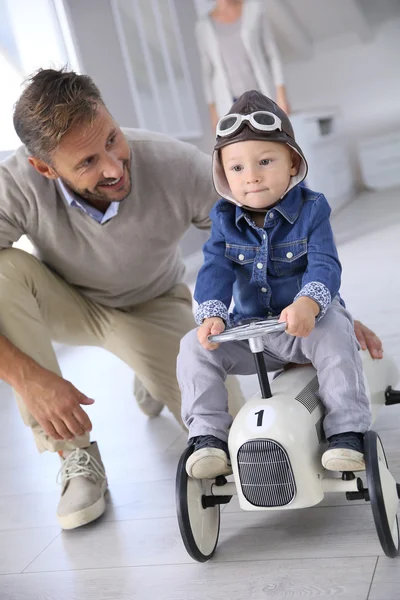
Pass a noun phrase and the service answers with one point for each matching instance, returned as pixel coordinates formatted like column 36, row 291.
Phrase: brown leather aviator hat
column 265, row 121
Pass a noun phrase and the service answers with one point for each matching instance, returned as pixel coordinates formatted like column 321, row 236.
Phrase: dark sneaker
column 345, row 452
column 209, row 459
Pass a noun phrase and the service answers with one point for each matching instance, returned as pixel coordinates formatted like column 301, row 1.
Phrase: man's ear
column 296, row 161
column 43, row 167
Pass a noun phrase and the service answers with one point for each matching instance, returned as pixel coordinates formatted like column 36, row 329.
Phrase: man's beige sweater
column 135, row 255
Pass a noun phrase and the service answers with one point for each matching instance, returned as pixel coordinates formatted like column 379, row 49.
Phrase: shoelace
column 354, row 441
column 79, row 463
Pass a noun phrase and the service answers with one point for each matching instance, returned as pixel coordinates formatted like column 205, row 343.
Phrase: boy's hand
column 300, row 316
column 211, row 326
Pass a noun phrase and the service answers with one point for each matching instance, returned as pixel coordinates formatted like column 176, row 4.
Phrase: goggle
column 261, row 120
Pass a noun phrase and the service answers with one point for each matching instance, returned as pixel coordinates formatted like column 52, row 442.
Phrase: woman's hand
column 281, row 99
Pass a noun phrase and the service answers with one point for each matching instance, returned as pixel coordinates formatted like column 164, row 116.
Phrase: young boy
column 272, row 250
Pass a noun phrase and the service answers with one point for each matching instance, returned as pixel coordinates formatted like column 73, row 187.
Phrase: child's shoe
column 209, row 459
column 345, row 452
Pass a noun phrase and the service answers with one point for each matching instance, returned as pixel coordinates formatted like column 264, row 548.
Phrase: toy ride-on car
column 276, row 442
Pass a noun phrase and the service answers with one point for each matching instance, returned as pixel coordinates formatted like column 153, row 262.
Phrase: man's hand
column 368, row 340
column 211, row 326
column 300, row 316
column 55, row 404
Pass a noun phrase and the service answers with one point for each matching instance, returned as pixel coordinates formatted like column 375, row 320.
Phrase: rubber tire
column 188, row 494
column 390, row 546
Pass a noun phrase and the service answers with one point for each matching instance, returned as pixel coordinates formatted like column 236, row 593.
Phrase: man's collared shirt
column 76, row 201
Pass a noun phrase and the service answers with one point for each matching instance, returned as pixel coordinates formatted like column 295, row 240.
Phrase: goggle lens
column 227, row 123
column 264, row 119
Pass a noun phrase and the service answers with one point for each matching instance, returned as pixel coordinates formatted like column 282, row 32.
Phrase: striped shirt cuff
column 211, row 308
column 319, row 293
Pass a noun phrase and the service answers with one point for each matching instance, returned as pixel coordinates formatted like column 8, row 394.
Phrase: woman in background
column 238, row 53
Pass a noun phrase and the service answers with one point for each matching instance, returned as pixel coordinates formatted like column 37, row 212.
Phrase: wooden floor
column 135, row 552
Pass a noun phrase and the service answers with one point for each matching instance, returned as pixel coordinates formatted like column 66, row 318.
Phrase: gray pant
column 331, row 347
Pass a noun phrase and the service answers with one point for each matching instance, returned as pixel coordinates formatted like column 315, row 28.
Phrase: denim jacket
column 266, row 269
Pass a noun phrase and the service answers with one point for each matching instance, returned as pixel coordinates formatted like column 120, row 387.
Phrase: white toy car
column 276, row 442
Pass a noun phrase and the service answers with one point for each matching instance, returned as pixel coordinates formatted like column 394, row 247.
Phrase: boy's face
column 259, row 172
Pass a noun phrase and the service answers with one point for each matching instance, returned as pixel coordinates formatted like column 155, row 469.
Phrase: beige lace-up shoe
column 84, row 485
column 147, row 404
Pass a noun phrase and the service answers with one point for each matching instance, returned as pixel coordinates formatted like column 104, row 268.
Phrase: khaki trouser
column 37, row 306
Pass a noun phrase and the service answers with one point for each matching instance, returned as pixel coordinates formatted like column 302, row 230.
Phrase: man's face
column 93, row 160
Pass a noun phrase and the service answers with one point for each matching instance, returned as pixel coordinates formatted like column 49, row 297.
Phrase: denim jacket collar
column 289, row 207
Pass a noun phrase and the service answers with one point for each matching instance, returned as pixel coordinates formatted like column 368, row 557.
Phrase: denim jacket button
column 288, row 255
column 259, row 265
column 241, row 257
column 271, row 215
column 264, row 290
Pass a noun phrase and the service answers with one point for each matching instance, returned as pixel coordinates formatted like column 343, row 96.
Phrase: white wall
column 362, row 79
column 203, row 6
column 98, row 47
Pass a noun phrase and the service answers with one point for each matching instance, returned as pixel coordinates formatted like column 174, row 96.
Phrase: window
column 156, row 66
column 32, row 35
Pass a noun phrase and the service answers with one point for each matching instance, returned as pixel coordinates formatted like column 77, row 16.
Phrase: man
column 105, row 211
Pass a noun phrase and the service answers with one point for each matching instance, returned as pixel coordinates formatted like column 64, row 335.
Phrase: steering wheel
column 248, row 331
